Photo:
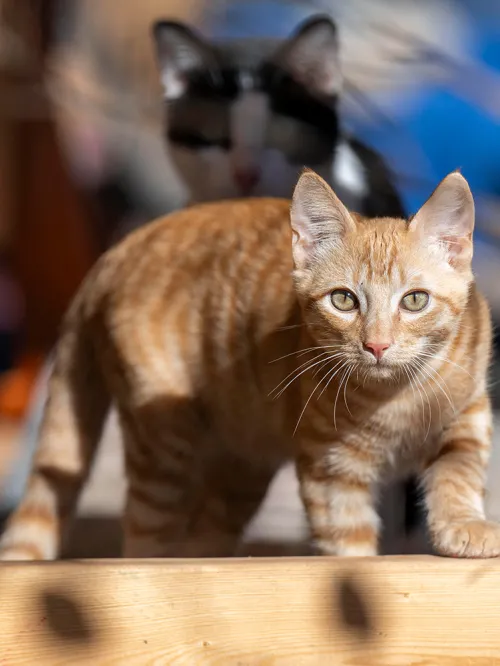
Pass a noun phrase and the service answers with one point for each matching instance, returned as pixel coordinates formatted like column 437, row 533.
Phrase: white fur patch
column 480, row 424
column 477, row 504
column 173, row 84
column 246, row 80
column 348, row 170
column 343, row 460
column 342, row 507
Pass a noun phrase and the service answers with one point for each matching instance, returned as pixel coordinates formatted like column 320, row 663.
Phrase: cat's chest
column 408, row 429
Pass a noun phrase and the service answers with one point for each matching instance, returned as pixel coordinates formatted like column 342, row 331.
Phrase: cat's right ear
column 446, row 220
column 318, row 218
column 311, row 56
column 179, row 52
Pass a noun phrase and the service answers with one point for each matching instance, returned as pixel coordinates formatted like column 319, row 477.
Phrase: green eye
column 344, row 300
column 415, row 301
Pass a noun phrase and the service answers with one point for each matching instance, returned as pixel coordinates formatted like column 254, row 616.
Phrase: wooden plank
column 269, row 612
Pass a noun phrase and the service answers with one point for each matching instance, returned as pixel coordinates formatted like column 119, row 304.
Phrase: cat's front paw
column 474, row 539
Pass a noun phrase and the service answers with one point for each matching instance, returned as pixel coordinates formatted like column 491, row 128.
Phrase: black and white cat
column 244, row 117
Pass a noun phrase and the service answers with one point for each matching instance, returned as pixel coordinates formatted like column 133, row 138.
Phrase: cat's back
column 245, row 239
column 210, row 281
column 199, row 303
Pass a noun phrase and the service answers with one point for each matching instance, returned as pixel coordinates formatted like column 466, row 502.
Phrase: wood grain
column 269, row 612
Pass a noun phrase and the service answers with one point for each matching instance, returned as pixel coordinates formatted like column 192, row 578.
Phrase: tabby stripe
column 450, row 304
column 355, row 534
column 461, row 446
column 340, row 514
column 480, row 406
column 35, row 513
column 160, row 504
column 142, row 522
column 146, row 472
column 314, row 472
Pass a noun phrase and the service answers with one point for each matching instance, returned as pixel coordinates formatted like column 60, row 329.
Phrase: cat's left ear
column 311, row 56
column 179, row 52
column 318, row 219
column 447, row 218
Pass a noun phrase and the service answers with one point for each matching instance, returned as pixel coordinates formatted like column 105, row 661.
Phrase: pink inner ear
column 328, row 83
column 325, row 79
column 456, row 246
column 302, row 247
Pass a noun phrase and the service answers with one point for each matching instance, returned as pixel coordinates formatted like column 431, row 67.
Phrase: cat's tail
column 70, row 431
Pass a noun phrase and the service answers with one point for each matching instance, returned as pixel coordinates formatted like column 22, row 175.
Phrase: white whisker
column 338, row 392
column 287, row 328
column 414, row 377
column 309, row 399
column 445, row 360
column 309, row 365
column 310, row 360
column 446, row 392
column 410, row 381
column 345, row 388
column 301, row 352
column 431, row 379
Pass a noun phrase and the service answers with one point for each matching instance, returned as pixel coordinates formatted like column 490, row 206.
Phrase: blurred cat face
column 244, row 118
column 385, row 294
column 213, row 173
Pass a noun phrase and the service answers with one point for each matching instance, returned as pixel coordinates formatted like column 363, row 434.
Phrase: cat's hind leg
column 235, row 493
column 186, row 512
column 163, row 493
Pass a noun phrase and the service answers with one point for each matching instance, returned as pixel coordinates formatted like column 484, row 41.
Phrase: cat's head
column 244, row 117
column 385, row 293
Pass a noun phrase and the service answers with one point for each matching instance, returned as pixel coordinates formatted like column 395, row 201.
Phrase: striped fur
column 214, row 332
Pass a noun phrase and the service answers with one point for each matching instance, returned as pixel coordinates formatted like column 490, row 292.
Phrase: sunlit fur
column 213, row 332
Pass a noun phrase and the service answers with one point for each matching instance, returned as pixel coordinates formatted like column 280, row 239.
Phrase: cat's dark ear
column 447, row 219
column 311, row 56
column 318, row 218
column 179, row 51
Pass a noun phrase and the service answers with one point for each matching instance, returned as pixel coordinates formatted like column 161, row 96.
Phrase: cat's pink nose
column 378, row 349
column 246, row 179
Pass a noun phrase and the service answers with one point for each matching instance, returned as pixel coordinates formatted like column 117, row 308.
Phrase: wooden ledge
column 386, row 611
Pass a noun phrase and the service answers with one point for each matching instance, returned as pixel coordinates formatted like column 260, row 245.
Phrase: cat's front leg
column 336, row 485
column 454, row 485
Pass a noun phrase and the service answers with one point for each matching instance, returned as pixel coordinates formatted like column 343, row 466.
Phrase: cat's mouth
column 383, row 369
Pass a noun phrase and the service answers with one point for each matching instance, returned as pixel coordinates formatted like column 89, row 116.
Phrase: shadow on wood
column 66, row 618
column 287, row 611
column 355, row 609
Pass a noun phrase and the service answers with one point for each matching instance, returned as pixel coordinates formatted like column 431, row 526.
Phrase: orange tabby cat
column 230, row 342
